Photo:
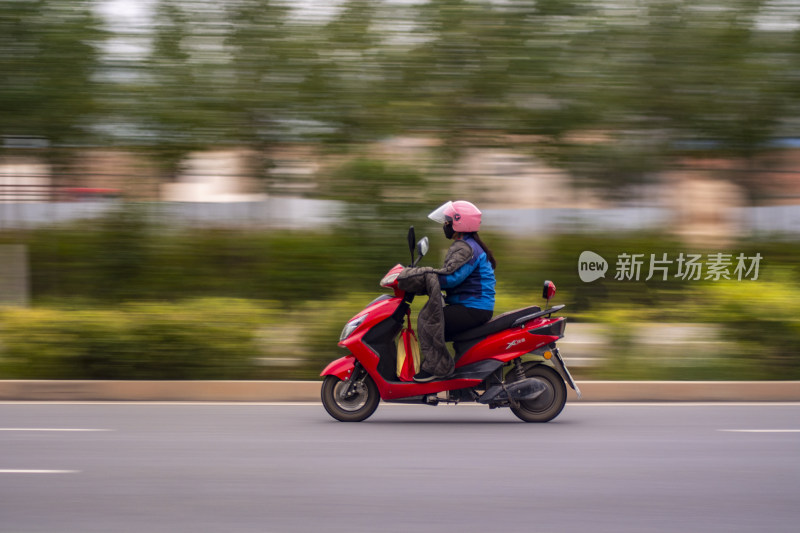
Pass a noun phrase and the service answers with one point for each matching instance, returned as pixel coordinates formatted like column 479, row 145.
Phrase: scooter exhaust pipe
column 525, row 389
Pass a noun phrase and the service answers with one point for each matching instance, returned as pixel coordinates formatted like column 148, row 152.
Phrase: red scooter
column 511, row 361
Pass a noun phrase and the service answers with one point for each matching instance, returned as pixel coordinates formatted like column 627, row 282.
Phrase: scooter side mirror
column 422, row 249
column 549, row 290
column 423, row 246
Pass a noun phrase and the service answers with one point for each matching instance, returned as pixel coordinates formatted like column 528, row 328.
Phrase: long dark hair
column 486, row 249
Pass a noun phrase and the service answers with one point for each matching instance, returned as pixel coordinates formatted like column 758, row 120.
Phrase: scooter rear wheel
column 356, row 408
column 547, row 406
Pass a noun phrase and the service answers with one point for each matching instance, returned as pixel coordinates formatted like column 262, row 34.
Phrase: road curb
column 688, row 391
column 308, row 391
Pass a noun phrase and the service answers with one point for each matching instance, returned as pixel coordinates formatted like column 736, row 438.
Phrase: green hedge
column 252, row 339
column 270, row 305
column 129, row 257
column 214, row 339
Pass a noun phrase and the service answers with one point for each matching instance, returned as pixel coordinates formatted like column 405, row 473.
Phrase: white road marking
column 6, row 471
column 760, row 430
column 53, row 429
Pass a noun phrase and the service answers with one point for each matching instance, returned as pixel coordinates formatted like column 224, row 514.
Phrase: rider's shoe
column 423, row 377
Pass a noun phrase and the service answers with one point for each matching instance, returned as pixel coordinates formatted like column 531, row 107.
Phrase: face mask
column 448, row 231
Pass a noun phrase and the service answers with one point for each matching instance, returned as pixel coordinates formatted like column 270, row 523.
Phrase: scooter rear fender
column 341, row 368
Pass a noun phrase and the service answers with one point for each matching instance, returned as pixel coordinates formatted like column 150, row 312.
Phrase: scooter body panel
column 509, row 344
column 341, row 368
column 377, row 312
column 503, row 346
column 396, row 390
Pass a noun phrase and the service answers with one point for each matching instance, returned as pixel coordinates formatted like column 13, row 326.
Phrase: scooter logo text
column 514, row 343
column 591, row 267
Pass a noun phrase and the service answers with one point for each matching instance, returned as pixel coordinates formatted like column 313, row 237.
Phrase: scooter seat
column 498, row 323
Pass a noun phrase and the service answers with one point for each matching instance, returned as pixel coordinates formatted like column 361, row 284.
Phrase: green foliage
column 643, row 77
column 764, row 320
column 48, row 57
column 95, row 287
column 211, row 339
column 126, row 257
column 751, row 330
column 378, row 197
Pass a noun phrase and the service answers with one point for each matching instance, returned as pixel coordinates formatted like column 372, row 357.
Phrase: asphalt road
column 148, row 468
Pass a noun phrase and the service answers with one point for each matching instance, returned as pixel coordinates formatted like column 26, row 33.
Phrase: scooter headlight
column 351, row 326
column 389, row 280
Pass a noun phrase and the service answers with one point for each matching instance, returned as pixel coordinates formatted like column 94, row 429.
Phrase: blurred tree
column 344, row 88
column 376, row 193
column 188, row 101
column 672, row 77
column 610, row 92
column 262, row 85
column 49, row 58
column 265, row 70
column 457, row 77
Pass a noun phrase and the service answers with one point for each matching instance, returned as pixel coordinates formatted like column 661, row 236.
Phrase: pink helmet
column 465, row 217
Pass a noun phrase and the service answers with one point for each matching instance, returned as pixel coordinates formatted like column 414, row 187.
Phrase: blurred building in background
column 698, row 200
column 24, row 180
column 214, row 176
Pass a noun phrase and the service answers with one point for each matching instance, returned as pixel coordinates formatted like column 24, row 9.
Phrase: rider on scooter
column 470, row 288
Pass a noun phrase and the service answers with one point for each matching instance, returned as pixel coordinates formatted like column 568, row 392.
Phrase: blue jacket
column 472, row 284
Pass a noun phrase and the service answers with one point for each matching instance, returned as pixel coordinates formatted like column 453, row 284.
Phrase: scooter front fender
column 341, row 368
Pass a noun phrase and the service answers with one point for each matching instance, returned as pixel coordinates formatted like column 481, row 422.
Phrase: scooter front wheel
column 354, row 408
